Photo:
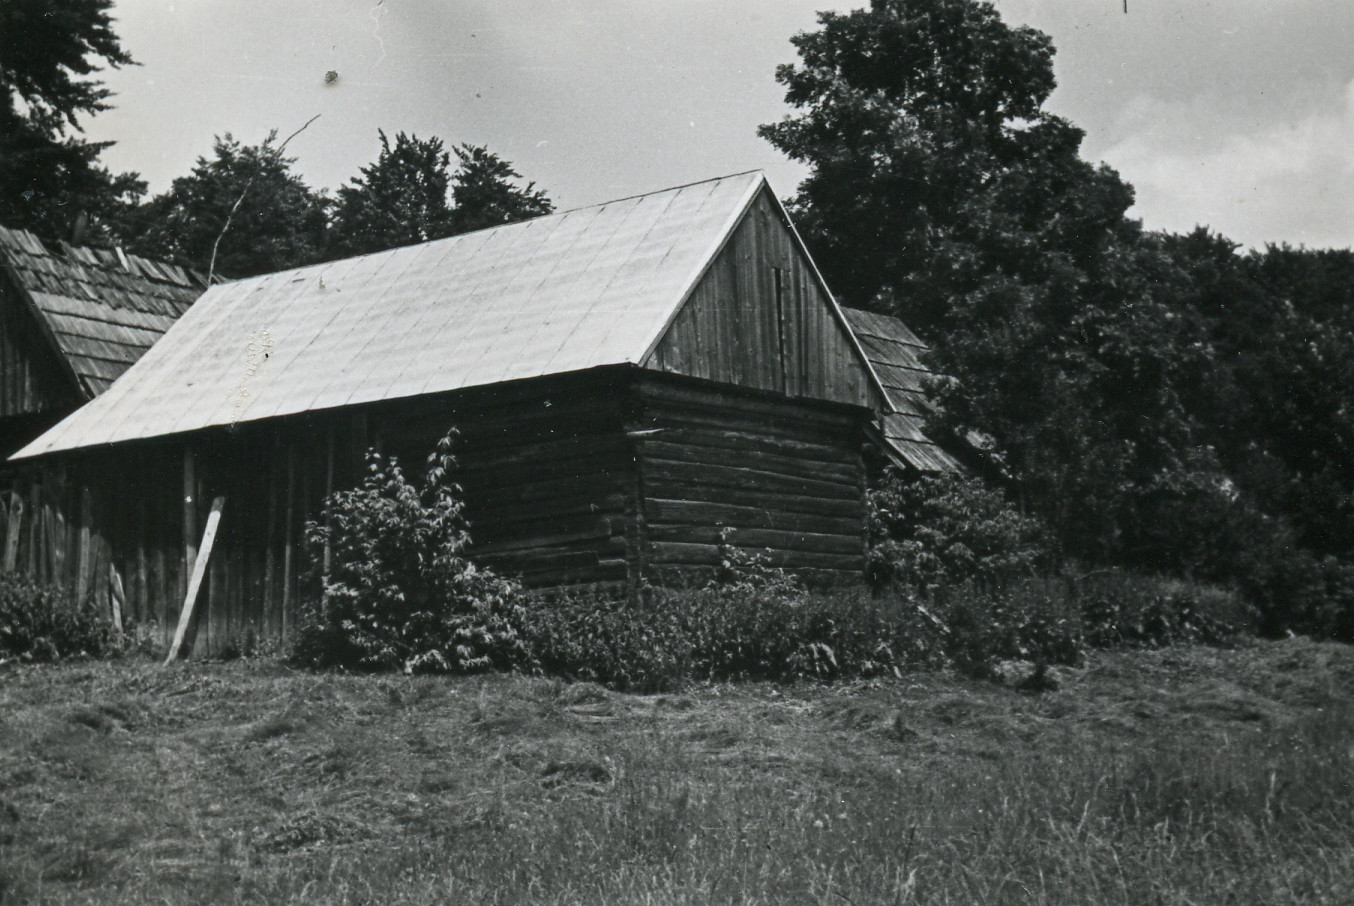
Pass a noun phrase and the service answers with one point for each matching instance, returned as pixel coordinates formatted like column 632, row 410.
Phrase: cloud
column 1277, row 181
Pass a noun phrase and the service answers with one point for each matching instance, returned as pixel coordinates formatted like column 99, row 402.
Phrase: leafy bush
column 45, row 622
column 399, row 591
column 1296, row 591
column 1123, row 609
column 751, row 622
column 600, row 637
column 1031, row 619
column 935, row 531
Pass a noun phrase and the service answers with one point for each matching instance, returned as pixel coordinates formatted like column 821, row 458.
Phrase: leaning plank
column 194, row 583
column 16, row 513
column 117, row 597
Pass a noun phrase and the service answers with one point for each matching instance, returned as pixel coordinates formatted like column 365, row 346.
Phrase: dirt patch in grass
column 1184, row 775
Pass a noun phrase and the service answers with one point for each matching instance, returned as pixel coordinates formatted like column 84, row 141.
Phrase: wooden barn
column 626, row 380
column 72, row 320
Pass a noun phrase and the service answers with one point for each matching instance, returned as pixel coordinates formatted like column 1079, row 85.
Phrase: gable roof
column 565, row 292
column 895, row 352
column 100, row 308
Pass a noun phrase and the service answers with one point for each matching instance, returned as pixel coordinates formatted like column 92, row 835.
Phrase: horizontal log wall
column 785, row 475
column 546, row 472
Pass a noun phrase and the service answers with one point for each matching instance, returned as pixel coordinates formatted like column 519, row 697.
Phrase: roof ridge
column 685, row 185
column 296, row 269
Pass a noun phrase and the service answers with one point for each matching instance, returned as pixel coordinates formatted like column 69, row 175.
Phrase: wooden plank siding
column 612, row 476
column 547, row 471
column 759, row 319
column 35, row 390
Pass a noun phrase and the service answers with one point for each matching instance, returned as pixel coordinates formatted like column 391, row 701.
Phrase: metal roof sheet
column 101, row 311
column 559, row 293
column 895, row 352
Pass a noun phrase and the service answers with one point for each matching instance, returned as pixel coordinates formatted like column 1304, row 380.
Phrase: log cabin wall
column 546, row 471
column 786, row 475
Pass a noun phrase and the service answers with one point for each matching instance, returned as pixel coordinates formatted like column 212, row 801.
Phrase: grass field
column 1188, row 775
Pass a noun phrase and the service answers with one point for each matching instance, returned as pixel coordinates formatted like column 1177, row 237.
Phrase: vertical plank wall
column 548, row 475
column 34, row 389
column 758, row 319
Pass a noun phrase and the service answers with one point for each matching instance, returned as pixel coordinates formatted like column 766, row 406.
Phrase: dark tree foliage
column 485, row 194
column 49, row 49
column 1160, row 400
column 400, row 199
column 1278, row 400
column 933, row 163
column 940, row 190
column 408, row 195
column 280, row 223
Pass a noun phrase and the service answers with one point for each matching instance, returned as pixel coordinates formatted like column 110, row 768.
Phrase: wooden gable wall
column 31, row 377
column 36, row 387
column 760, row 319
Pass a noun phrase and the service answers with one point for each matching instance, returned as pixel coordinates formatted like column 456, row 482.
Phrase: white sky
column 1237, row 113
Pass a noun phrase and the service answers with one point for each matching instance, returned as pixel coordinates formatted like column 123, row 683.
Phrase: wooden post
column 195, row 583
column 85, row 556
column 35, row 529
column 189, row 514
column 288, row 529
column 141, row 591
column 16, row 521
column 117, row 596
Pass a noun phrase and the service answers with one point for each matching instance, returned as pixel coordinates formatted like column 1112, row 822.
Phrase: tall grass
column 646, row 817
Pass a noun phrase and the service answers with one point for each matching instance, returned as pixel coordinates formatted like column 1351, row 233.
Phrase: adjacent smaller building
column 72, row 320
column 895, row 353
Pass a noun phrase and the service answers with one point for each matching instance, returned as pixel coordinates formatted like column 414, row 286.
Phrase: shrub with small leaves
column 1031, row 619
column 753, row 621
column 45, row 622
column 594, row 635
column 1121, row 609
column 398, row 591
column 944, row 530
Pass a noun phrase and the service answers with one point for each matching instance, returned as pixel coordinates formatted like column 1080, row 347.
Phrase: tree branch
column 211, row 267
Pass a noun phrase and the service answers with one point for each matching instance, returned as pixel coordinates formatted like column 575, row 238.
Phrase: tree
column 933, row 163
column 407, row 195
column 280, row 222
column 48, row 50
column 485, row 195
column 400, row 199
column 942, row 191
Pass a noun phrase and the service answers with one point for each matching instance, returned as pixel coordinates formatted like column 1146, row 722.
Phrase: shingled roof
column 895, row 352
column 101, row 308
column 565, row 292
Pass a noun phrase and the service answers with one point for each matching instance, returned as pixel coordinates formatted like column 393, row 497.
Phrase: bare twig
column 211, row 267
